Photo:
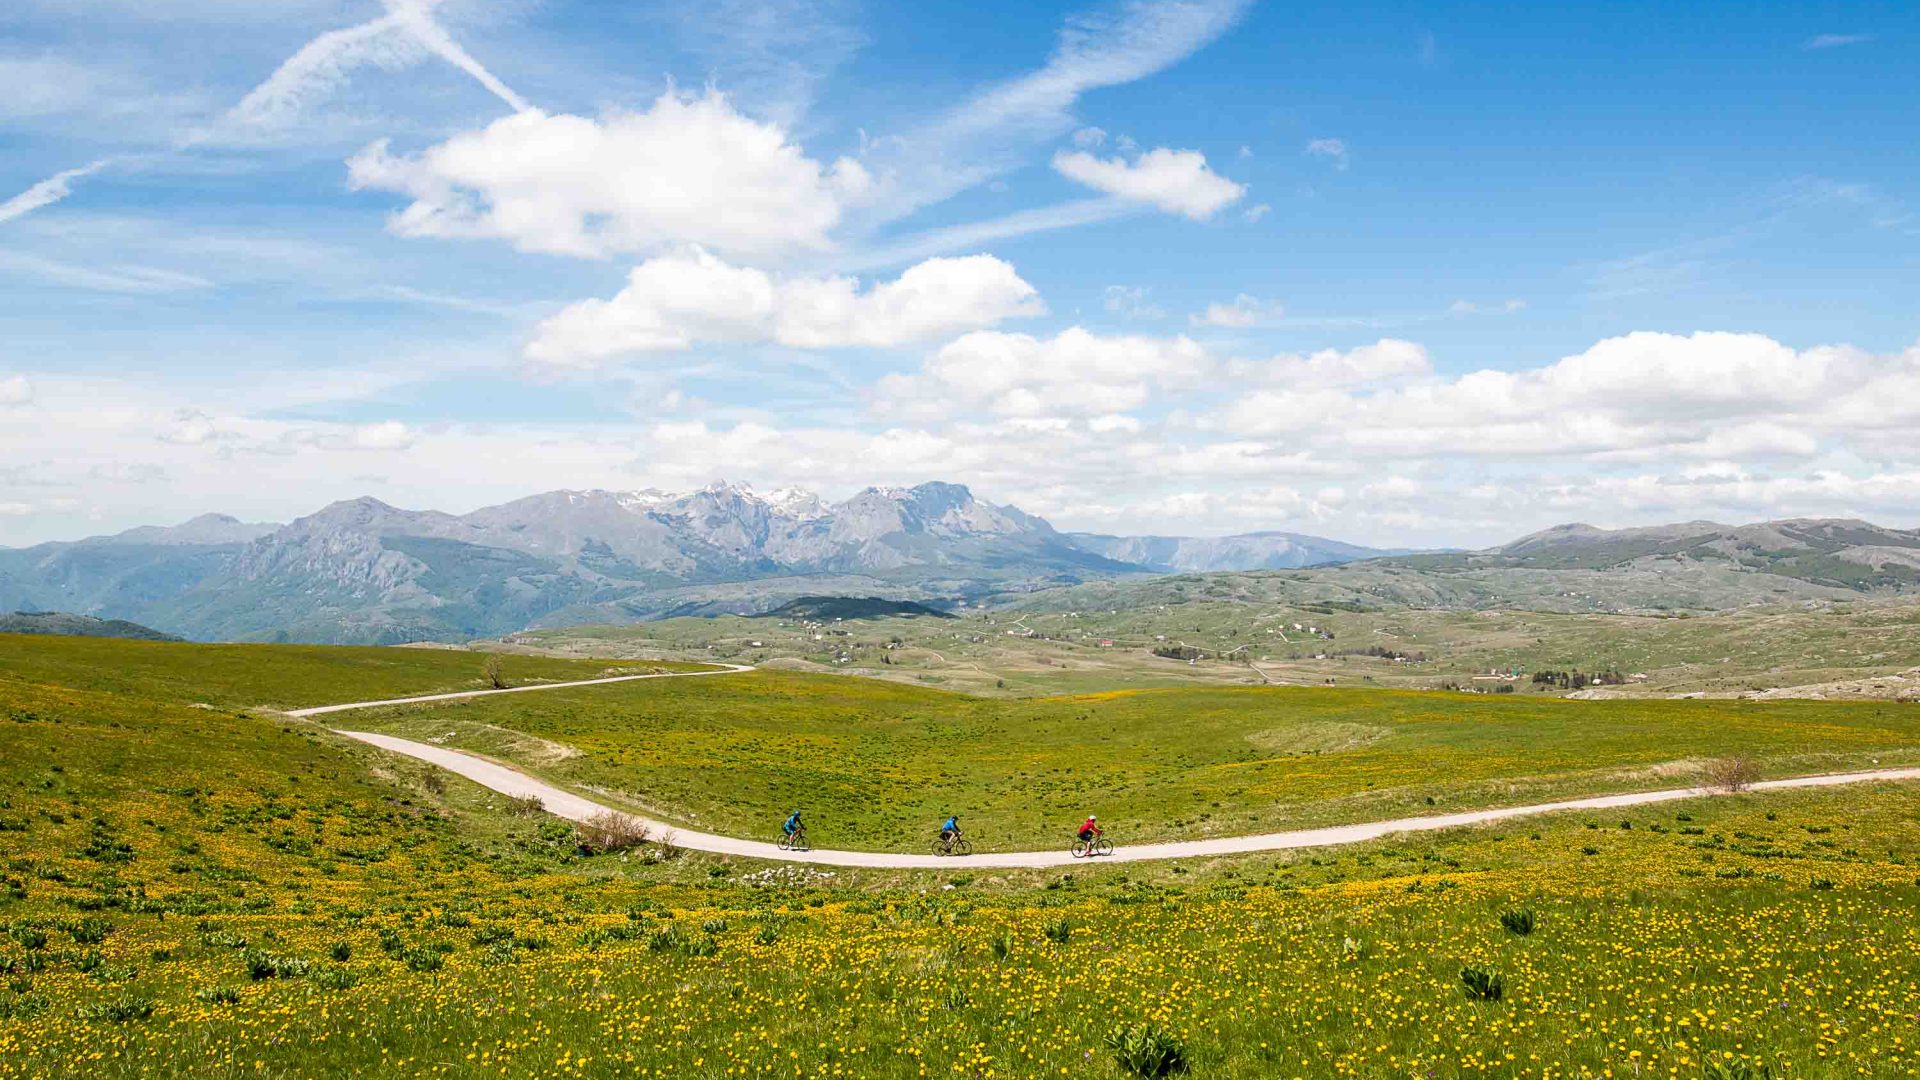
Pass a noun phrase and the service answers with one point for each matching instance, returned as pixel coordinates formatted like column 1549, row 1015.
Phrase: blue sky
column 1396, row 273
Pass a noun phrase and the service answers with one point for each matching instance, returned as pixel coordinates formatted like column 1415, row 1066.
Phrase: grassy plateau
column 193, row 886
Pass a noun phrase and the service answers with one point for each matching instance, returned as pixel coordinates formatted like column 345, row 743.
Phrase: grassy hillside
column 273, row 676
column 206, row 893
column 59, row 622
column 877, row 764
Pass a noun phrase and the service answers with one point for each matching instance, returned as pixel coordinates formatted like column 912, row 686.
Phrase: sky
column 1400, row 274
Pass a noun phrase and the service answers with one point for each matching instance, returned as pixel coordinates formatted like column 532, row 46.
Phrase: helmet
column 1093, row 817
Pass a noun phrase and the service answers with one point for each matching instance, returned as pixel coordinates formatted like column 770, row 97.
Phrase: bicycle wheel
column 786, row 842
column 1103, row 846
column 962, row 847
column 1081, row 849
column 939, row 846
column 800, row 842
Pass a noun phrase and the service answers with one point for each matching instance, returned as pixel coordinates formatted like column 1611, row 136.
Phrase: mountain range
column 362, row 571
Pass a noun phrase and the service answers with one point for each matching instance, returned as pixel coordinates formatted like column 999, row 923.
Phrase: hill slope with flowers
column 194, row 888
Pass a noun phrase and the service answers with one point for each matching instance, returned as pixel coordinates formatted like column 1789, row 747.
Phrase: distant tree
column 494, row 678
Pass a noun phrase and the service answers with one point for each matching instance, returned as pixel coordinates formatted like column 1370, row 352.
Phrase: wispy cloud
column 1333, row 150
column 1835, row 41
column 404, row 35
column 117, row 279
column 982, row 137
column 49, row 191
column 972, row 235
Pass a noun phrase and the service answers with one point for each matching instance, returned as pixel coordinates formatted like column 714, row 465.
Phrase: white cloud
column 688, row 170
column 982, row 137
column 49, row 191
column 673, row 301
column 1388, row 358
column 15, row 390
column 1835, row 41
column 1256, row 212
column 1131, row 302
column 1090, row 138
column 405, row 35
column 1333, row 150
column 1244, row 311
column 1641, row 396
column 1074, row 373
column 1176, row 181
column 1469, row 307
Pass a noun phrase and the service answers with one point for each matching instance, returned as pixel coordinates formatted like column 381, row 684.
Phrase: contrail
column 48, row 191
column 418, row 20
column 397, row 39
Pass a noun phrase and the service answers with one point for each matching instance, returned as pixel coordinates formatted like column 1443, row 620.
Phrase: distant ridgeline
column 56, row 622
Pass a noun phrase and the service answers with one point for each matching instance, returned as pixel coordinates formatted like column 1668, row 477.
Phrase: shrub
column 217, row 995
column 1732, row 774
column 1518, row 922
column 1001, row 944
column 526, row 805
column 1822, row 883
column 24, row 1007
column 340, row 951
column 28, row 937
column 1059, row 930
column 700, row 945
column 768, row 934
column 714, row 926
column 665, row 939
column 335, row 978
column 1147, row 1050
column 90, row 931
column 264, row 965
column 1483, row 985
column 607, row 832
column 423, row 959
column 120, row 1010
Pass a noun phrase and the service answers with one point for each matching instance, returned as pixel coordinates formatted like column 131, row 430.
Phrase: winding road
column 573, row 807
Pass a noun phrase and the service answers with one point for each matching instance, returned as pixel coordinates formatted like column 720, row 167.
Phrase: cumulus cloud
column 15, row 390
column 1388, row 358
column 688, row 170
column 673, row 301
column 1643, row 395
column 1176, row 181
column 1074, row 373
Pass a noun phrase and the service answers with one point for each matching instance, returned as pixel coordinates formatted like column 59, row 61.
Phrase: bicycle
column 1099, row 845
column 955, row 845
column 795, row 840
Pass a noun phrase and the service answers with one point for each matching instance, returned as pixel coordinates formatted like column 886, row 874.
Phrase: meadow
column 1248, row 637
column 221, row 892
column 876, row 765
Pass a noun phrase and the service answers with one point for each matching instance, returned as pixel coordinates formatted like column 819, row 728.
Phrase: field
column 1247, row 637
column 200, row 889
column 876, row 765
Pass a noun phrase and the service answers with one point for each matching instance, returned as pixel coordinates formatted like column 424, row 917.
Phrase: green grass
column 877, row 765
column 211, row 893
column 273, row 676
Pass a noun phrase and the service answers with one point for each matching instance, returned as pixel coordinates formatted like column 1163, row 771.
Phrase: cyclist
column 1090, row 828
column 950, row 829
column 791, row 825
